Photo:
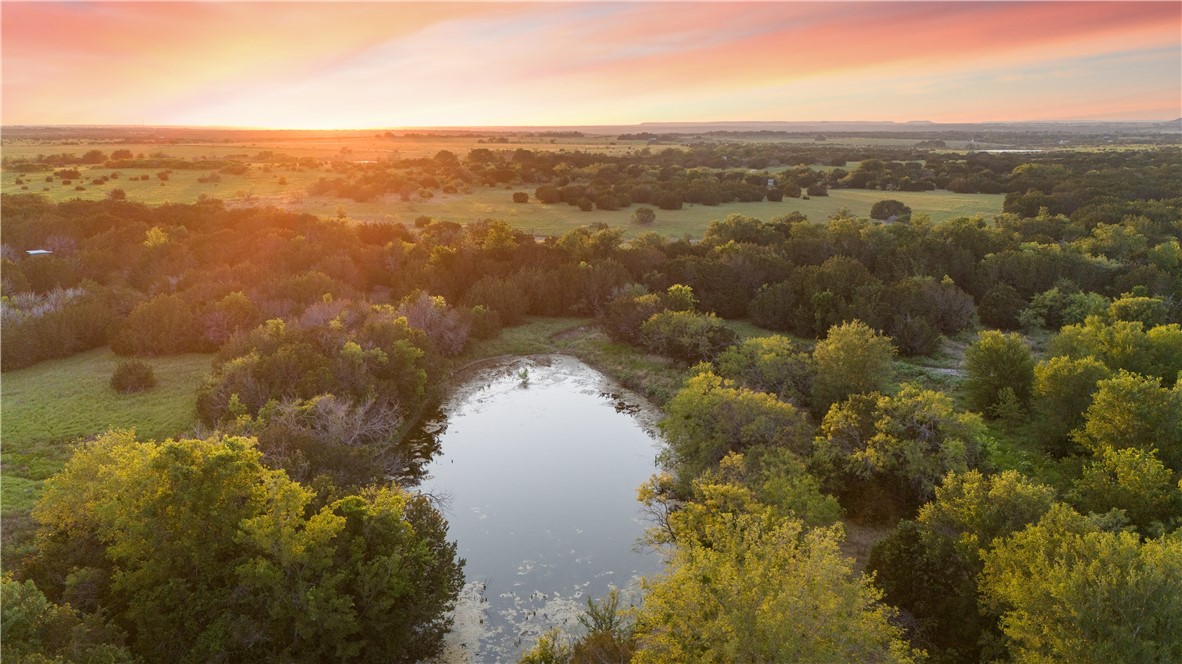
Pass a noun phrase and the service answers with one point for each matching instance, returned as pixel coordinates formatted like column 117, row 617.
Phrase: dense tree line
column 1065, row 182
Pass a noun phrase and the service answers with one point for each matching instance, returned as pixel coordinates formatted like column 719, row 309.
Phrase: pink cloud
column 434, row 63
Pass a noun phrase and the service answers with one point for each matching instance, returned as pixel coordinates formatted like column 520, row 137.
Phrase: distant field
column 286, row 189
column 47, row 407
column 369, row 147
column 557, row 219
column 285, row 185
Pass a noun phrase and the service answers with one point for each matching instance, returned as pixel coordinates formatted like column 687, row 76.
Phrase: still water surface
column 538, row 473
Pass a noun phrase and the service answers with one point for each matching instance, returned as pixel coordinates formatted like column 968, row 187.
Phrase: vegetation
column 289, row 528
column 50, row 406
column 196, row 550
column 134, row 376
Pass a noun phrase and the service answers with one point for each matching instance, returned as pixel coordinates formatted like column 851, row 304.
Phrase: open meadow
column 286, row 188
column 51, row 406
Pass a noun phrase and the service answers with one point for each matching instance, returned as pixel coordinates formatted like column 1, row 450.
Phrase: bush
column 994, row 362
column 133, row 376
column 853, row 359
column 644, row 215
column 520, row 197
column 890, row 208
column 669, row 200
column 687, row 335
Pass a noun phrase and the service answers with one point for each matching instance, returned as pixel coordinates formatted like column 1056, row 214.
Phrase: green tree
column 1124, row 345
column 551, row 648
column 686, row 335
column 200, row 552
column 644, row 215
column 133, row 376
column 1069, row 591
column 888, row 208
column 38, row 630
column 711, row 416
column 163, row 325
column 994, row 362
column 748, row 586
column 1132, row 480
column 852, row 359
column 929, row 567
column 1063, row 389
column 980, row 508
column 772, row 364
column 1132, row 411
column 740, row 228
column 1149, row 311
column 883, row 452
column 633, row 305
column 232, row 314
column 1000, row 306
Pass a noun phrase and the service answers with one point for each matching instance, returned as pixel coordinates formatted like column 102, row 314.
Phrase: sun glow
column 384, row 65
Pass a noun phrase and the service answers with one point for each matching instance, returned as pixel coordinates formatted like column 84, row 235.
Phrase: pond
column 537, row 468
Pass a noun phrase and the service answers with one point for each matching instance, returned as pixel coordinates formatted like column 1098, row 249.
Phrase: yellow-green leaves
column 1072, row 592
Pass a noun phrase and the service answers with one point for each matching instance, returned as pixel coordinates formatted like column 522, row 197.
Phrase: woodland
column 990, row 403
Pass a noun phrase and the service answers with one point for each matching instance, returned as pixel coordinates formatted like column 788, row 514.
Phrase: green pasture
column 45, row 409
column 286, row 188
column 541, row 219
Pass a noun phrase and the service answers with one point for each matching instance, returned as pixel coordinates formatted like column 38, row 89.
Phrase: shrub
column 520, row 197
column 644, row 215
column 890, row 208
column 133, row 376
column 687, row 335
column 994, row 362
column 853, row 359
column 668, row 200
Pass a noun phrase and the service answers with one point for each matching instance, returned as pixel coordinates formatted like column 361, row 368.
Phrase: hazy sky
column 333, row 65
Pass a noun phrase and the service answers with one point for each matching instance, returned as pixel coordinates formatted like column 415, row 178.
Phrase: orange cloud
column 321, row 64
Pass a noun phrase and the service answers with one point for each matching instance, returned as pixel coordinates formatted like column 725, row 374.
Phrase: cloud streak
column 379, row 65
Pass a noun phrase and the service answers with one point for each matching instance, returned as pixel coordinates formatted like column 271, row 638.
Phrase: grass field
column 285, row 186
column 286, row 189
column 543, row 219
column 47, row 408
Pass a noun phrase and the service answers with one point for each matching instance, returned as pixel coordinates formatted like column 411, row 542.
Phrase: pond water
column 538, row 464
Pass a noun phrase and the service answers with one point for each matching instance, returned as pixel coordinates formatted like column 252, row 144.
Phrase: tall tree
column 994, row 363
column 711, row 416
column 744, row 585
column 852, row 359
column 201, row 553
column 1070, row 591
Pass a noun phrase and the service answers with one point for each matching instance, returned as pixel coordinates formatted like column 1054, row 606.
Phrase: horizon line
column 671, row 123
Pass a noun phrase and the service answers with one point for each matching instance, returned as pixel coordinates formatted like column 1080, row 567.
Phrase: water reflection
column 538, row 463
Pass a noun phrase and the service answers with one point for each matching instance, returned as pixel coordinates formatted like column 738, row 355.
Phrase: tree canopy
column 200, row 552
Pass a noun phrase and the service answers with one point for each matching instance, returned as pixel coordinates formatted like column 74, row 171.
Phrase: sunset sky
column 335, row 65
